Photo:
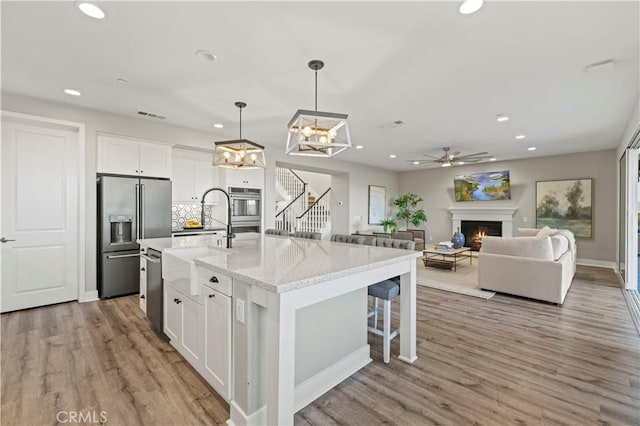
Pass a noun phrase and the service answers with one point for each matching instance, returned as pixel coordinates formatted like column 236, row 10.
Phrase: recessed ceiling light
column 470, row 6
column 415, row 163
column 359, row 146
column 91, row 10
column 72, row 92
column 218, row 125
column 392, row 156
column 520, row 137
column 492, row 159
column 501, row 118
column 531, row 148
column 122, row 81
column 205, row 55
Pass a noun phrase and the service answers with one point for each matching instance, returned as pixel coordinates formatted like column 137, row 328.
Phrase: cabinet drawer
column 215, row 280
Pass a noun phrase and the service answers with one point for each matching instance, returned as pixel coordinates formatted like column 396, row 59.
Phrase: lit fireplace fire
column 476, row 242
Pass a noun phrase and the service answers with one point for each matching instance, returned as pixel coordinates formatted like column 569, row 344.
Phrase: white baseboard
column 88, row 296
column 315, row 386
column 599, row 263
column 240, row 418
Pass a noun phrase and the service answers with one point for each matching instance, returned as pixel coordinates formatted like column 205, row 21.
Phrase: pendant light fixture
column 317, row 133
column 240, row 153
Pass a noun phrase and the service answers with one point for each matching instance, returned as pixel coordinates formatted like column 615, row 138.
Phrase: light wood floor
column 503, row 361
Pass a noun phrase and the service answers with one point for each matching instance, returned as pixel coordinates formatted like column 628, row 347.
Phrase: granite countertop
column 204, row 240
column 281, row 264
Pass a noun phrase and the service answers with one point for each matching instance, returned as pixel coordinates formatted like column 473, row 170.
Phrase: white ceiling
column 444, row 74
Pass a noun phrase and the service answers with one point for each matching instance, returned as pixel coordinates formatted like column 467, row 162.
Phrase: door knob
column 4, row 240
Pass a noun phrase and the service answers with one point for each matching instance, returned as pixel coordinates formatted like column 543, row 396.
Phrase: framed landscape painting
column 565, row 204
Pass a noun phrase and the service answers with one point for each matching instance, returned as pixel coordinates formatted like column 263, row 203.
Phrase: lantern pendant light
column 317, row 133
column 240, row 153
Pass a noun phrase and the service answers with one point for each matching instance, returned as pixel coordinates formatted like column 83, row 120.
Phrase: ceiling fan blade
column 477, row 154
column 422, row 161
column 426, row 155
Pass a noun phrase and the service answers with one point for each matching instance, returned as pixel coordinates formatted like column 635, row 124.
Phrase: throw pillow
column 545, row 232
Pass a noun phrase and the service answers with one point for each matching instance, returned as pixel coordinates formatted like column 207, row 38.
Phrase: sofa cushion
column 559, row 244
column 532, row 247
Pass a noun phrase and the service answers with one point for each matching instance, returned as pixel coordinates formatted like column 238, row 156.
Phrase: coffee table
column 446, row 258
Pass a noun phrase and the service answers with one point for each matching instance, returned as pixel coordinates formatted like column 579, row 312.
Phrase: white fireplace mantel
column 497, row 214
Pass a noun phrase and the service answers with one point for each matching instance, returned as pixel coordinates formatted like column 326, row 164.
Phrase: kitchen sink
column 178, row 264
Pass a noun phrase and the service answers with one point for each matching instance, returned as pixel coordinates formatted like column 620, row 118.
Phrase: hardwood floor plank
column 506, row 360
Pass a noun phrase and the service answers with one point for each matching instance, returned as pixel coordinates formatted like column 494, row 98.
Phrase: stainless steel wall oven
column 246, row 209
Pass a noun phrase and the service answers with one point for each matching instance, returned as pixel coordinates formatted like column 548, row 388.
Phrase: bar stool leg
column 386, row 329
column 375, row 312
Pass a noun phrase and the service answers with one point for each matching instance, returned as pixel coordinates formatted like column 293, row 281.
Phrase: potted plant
column 389, row 225
column 408, row 209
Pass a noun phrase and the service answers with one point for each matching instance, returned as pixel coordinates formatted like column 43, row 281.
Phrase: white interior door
column 40, row 214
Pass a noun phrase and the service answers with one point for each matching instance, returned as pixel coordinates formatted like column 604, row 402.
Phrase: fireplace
column 475, row 230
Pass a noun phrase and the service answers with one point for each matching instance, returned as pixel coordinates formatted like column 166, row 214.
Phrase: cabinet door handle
column 175, row 300
column 214, row 279
column 211, row 296
column 142, row 296
column 179, row 301
column 142, row 269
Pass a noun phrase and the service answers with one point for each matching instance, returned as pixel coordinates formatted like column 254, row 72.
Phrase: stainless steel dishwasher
column 154, row 292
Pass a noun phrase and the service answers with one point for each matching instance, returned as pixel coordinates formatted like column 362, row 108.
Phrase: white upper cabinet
column 253, row 178
column 192, row 174
column 129, row 157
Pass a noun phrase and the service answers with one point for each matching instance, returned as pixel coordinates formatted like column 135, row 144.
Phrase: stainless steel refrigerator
column 129, row 208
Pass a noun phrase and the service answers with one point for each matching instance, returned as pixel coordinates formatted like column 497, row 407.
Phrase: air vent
column 151, row 115
column 392, row 125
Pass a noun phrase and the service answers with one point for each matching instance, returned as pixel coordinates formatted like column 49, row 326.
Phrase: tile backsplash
column 180, row 213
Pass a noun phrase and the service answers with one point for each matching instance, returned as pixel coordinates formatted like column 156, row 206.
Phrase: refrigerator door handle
column 142, row 211
column 137, row 211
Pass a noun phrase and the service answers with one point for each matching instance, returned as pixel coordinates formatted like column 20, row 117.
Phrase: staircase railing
column 316, row 215
column 290, row 181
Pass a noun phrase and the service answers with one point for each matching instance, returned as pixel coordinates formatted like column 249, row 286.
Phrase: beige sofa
column 539, row 264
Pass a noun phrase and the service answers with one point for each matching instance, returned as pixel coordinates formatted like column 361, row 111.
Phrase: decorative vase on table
column 457, row 239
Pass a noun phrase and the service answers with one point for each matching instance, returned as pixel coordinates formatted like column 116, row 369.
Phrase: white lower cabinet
column 200, row 326
column 183, row 324
column 217, row 340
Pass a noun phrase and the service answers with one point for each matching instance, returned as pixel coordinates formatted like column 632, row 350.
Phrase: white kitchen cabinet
column 253, row 178
column 183, row 324
column 191, row 341
column 192, row 174
column 143, row 284
column 217, row 340
column 172, row 316
column 130, row 157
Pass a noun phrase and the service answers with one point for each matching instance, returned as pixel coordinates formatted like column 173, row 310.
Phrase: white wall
column 317, row 183
column 436, row 187
column 351, row 180
column 349, row 187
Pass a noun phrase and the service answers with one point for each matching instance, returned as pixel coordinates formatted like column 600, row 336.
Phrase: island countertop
column 280, row 264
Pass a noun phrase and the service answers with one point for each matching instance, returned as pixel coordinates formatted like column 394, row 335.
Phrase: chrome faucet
column 229, row 233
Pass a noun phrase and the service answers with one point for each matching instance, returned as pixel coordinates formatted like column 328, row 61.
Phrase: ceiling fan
column 449, row 159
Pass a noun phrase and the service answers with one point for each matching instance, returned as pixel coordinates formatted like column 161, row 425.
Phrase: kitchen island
column 299, row 317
